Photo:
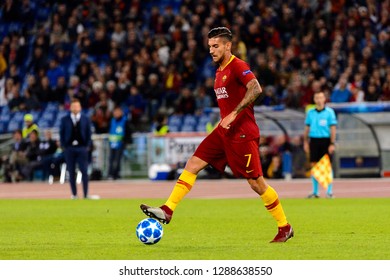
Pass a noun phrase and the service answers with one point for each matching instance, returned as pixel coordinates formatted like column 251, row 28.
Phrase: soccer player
column 319, row 136
column 234, row 142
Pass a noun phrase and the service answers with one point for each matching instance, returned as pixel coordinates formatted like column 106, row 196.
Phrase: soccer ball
column 149, row 231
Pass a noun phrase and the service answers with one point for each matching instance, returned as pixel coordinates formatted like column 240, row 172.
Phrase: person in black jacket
column 75, row 138
column 47, row 149
column 32, row 155
column 16, row 158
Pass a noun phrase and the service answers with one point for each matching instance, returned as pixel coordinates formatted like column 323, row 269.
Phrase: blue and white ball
column 149, row 231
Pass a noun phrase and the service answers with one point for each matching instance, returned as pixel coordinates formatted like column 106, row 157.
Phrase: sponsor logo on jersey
column 246, row 72
column 221, row 93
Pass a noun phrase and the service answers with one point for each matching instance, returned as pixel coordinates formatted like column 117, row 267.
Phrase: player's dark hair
column 221, row 32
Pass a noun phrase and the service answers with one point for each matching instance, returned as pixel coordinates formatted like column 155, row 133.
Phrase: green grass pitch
column 201, row 229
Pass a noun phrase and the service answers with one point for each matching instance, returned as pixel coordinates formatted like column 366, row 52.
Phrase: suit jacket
column 66, row 130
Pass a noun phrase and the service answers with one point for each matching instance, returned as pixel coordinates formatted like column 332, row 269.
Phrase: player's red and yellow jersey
column 230, row 88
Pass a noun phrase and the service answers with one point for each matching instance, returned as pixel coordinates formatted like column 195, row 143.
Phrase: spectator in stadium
column 186, row 103
column 15, row 159
column 372, row 94
column 341, row 93
column 32, row 85
column 154, row 94
column 3, row 68
column 31, row 102
column 386, row 89
column 38, row 61
column 299, row 158
column 270, row 98
column 110, row 88
column 172, row 82
column 265, row 153
column 47, row 149
column 33, row 156
column 76, row 90
column 189, row 75
column 45, row 92
column 14, row 73
column 102, row 114
column 119, row 34
column 357, row 94
column 53, row 73
column 136, row 105
column 95, row 96
column 121, row 93
column 16, row 102
column 274, row 169
column 203, row 101
column 3, row 63
column 60, row 91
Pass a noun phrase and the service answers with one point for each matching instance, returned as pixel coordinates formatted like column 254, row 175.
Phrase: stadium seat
column 64, row 175
column 174, row 128
column 190, row 120
column 14, row 27
column 5, row 116
column 18, row 117
column 49, row 115
column 3, row 127
column 51, row 106
column 201, row 127
column 43, row 13
column 36, row 115
column 3, row 30
column 60, row 115
column 203, row 119
column 188, row 128
column 44, row 123
column 175, row 120
column 14, row 125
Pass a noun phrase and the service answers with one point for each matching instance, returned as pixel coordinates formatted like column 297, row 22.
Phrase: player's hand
column 331, row 149
column 226, row 121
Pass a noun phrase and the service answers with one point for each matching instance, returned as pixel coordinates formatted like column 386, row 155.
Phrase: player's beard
column 219, row 61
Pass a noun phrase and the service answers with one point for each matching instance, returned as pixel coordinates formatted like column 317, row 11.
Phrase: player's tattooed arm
column 253, row 91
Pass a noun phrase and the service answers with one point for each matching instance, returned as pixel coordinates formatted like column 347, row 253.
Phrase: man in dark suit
column 75, row 137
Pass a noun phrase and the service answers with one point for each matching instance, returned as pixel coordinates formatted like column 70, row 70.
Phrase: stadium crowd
column 152, row 56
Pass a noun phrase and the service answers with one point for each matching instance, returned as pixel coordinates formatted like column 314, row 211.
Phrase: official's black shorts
column 318, row 148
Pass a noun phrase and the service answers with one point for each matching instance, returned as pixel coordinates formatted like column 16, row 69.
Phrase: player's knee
column 195, row 165
column 258, row 185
